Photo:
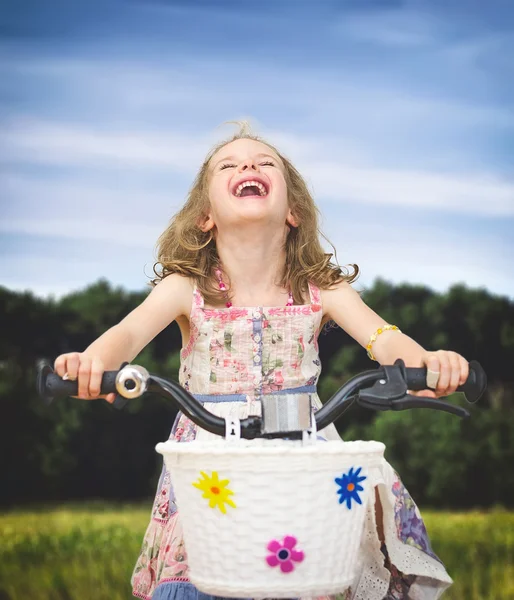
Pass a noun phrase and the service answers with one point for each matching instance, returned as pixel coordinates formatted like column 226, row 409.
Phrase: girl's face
column 247, row 184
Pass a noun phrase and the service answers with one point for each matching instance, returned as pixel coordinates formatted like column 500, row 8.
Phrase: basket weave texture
column 287, row 505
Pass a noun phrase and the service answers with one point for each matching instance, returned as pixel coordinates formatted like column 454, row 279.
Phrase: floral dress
column 234, row 357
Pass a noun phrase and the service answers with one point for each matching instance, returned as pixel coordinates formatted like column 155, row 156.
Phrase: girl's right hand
column 88, row 370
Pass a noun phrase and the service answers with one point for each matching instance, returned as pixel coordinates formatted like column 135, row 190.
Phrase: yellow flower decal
column 215, row 491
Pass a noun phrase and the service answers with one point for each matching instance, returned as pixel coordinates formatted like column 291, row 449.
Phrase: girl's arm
column 345, row 306
column 168, row 300
column 123, row 342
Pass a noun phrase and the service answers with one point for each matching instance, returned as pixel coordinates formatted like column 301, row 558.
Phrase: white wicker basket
column 270, row 519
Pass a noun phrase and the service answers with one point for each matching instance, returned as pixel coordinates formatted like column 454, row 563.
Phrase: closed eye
column 226, row 166
column 268, row 163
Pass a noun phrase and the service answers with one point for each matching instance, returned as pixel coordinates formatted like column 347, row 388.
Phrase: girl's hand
column 89, row 371
column 446, row 371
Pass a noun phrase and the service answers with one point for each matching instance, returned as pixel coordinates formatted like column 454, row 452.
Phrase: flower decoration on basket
column 350, row 487
column 215, row 491
column 284, row 554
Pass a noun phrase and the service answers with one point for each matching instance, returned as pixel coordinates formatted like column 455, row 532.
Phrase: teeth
column 256, row 184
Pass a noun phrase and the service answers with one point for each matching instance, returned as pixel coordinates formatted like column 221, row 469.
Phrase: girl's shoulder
column 169, row 300
column 179, row 290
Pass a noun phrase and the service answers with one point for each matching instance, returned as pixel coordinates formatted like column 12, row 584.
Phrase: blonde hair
column 185, row 249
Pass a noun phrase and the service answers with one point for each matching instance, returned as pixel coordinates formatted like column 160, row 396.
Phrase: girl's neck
column 254, row 267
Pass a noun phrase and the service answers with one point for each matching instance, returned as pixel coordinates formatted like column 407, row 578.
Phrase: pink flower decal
column 284, row 554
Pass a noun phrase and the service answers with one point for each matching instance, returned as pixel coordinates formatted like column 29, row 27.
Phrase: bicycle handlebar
column 384, row 388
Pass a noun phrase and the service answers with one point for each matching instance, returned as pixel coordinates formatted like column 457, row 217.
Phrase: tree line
column 74, row 450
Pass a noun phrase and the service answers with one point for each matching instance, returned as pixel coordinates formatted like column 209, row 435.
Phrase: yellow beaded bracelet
column 373, row 338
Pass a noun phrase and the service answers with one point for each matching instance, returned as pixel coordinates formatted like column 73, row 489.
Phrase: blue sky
column 399, row 114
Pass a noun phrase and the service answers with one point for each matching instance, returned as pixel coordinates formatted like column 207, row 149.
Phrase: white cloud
column 476, row 193
column 46, row 275
column 70, row 145
column 424, row 256
column 361, row 142
column 347, row 94
column 402, row 27
column 417, row 256
column 119, row 198
column 122, row 227
column 473, row 194
column 123, row 231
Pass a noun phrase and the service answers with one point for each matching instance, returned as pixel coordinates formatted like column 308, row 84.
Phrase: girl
column 246, row 279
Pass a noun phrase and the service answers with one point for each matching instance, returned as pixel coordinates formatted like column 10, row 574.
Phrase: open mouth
column 252, row 187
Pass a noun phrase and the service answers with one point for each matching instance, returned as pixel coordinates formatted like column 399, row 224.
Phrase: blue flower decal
column 350, row 487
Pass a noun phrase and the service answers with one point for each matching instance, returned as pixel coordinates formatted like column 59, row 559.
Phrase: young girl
column 246, row 279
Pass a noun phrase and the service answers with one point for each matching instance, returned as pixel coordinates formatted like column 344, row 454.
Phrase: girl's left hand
column 448, row 369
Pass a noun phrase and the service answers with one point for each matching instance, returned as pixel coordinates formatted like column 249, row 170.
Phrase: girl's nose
column 248, row 164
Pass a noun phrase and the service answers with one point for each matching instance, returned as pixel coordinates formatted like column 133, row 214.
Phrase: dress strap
column 197, row 298
column 315, row 295
column 195, row 320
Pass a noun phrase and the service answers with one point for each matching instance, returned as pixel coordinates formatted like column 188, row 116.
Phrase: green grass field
column 88, row 551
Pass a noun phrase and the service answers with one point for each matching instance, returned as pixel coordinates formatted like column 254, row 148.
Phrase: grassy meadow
column 88, row 551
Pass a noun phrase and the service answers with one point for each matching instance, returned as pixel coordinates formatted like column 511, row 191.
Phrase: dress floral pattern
column 250, row 352
column 409, row 524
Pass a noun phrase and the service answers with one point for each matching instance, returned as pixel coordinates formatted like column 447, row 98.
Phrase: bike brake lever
column 390, row 393
column 408, row 401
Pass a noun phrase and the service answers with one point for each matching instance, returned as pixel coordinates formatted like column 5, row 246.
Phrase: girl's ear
column 291, row 219
column 206, row 223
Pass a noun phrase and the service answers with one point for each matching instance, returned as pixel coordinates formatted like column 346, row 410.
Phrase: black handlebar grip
column 51, row 386
column 475, row 384
column 473, row 388
column 416, row 378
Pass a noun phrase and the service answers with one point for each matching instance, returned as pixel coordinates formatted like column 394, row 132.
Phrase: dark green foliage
column 76, row 449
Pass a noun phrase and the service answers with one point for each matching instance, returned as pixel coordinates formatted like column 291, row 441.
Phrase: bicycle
column 255, row 475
